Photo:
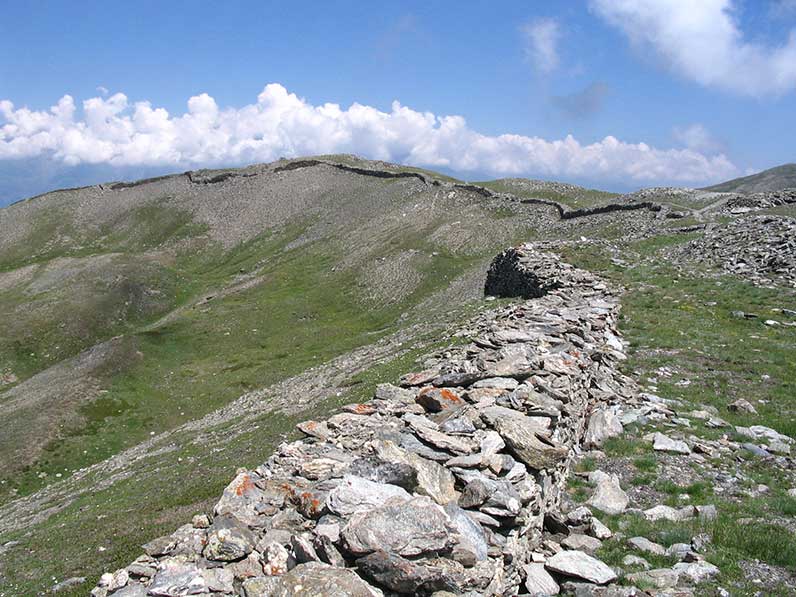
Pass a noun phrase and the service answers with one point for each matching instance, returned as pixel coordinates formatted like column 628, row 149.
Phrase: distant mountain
column 773, row 179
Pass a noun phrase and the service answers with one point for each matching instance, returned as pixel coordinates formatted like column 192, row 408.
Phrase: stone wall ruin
column 439, row 483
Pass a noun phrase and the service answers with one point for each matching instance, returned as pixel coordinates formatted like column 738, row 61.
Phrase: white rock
column 538, row 581
column 599, row 530
column 581, row 565
column 663, row 443
column 608, row 495
column 697, row 572
column 647, row 546
column 662, row 512
column 603, row 425
column 355, row 494
column 581, row 542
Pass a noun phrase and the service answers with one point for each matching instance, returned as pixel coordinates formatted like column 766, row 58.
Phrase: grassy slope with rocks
column 688, row 346
column 275, row 280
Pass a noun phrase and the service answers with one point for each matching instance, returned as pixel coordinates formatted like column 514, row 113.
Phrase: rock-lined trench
column 440, row 484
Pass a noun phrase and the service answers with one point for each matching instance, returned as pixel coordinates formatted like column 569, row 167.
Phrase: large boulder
column 407, row 528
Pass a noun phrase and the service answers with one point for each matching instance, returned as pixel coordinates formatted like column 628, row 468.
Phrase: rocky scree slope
column 761, row 249
column 440, row 485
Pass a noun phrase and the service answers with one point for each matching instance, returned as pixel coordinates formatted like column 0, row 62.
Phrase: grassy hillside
column 773, row 179
column 200, row 316
column 160, row 334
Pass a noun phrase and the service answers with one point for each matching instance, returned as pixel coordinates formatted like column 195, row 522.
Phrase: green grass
column 686, row 322
column 176, row 485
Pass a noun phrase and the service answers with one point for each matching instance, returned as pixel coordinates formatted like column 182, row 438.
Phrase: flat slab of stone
column 647, row 546
column 659, row 578
column 581, row 542
column 311, row 579
column 539, row 582
column 664, row 443
column 408, row 528
column 581, row 565
column 355, row 494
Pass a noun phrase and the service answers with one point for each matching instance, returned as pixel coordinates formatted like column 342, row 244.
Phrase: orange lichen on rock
column 246, row 484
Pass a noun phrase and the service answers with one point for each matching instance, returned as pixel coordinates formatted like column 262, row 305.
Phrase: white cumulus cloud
column 112, row 130
column 541, row 44
column 697, row 137
column 702, row 41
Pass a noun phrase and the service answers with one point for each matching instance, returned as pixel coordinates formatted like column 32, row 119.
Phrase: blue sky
column 650, row 91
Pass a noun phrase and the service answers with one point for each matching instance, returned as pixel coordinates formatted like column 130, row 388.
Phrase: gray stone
column 401, row 575
column 160, row 546
column 131, row 590
column 663, row 512
column 527, row 439
column 608, row 497
column 303, row 548
column 228, row 539
column 663, row 443
column 756, row 450
column 379, row 471
column 471, row 539
column 678, row 550
column 538, row 581
column 328, row 553
column 707, row 512
column 241, row 498
column 491, row 444
column 452, row 443
column 647, row 546
column 581, row 542
column 407, row 528
column 386, row 391
column 276, row 559
column 498, row 383
column 219, row 580
column 581, row 565
column 436, row 400
column 248, row 567
column 355, row 494
column 309, row 580
column 261, row 586
column 475, row 493
column 458, row 426
column 696, row 572
column 658, row 578
column 603, row 425
column 176, row 578
column 598, row 530
column 432, row 479
column 579, row 516
column 71, row 583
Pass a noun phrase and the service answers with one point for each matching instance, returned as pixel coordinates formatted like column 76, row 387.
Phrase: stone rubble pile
column 442, row 484
column 739, row 204
column 759, row 248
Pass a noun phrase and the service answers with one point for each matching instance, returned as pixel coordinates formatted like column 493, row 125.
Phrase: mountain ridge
column 773, row 179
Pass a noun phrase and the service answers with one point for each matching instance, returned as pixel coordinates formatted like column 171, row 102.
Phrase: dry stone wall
column 440, row 484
